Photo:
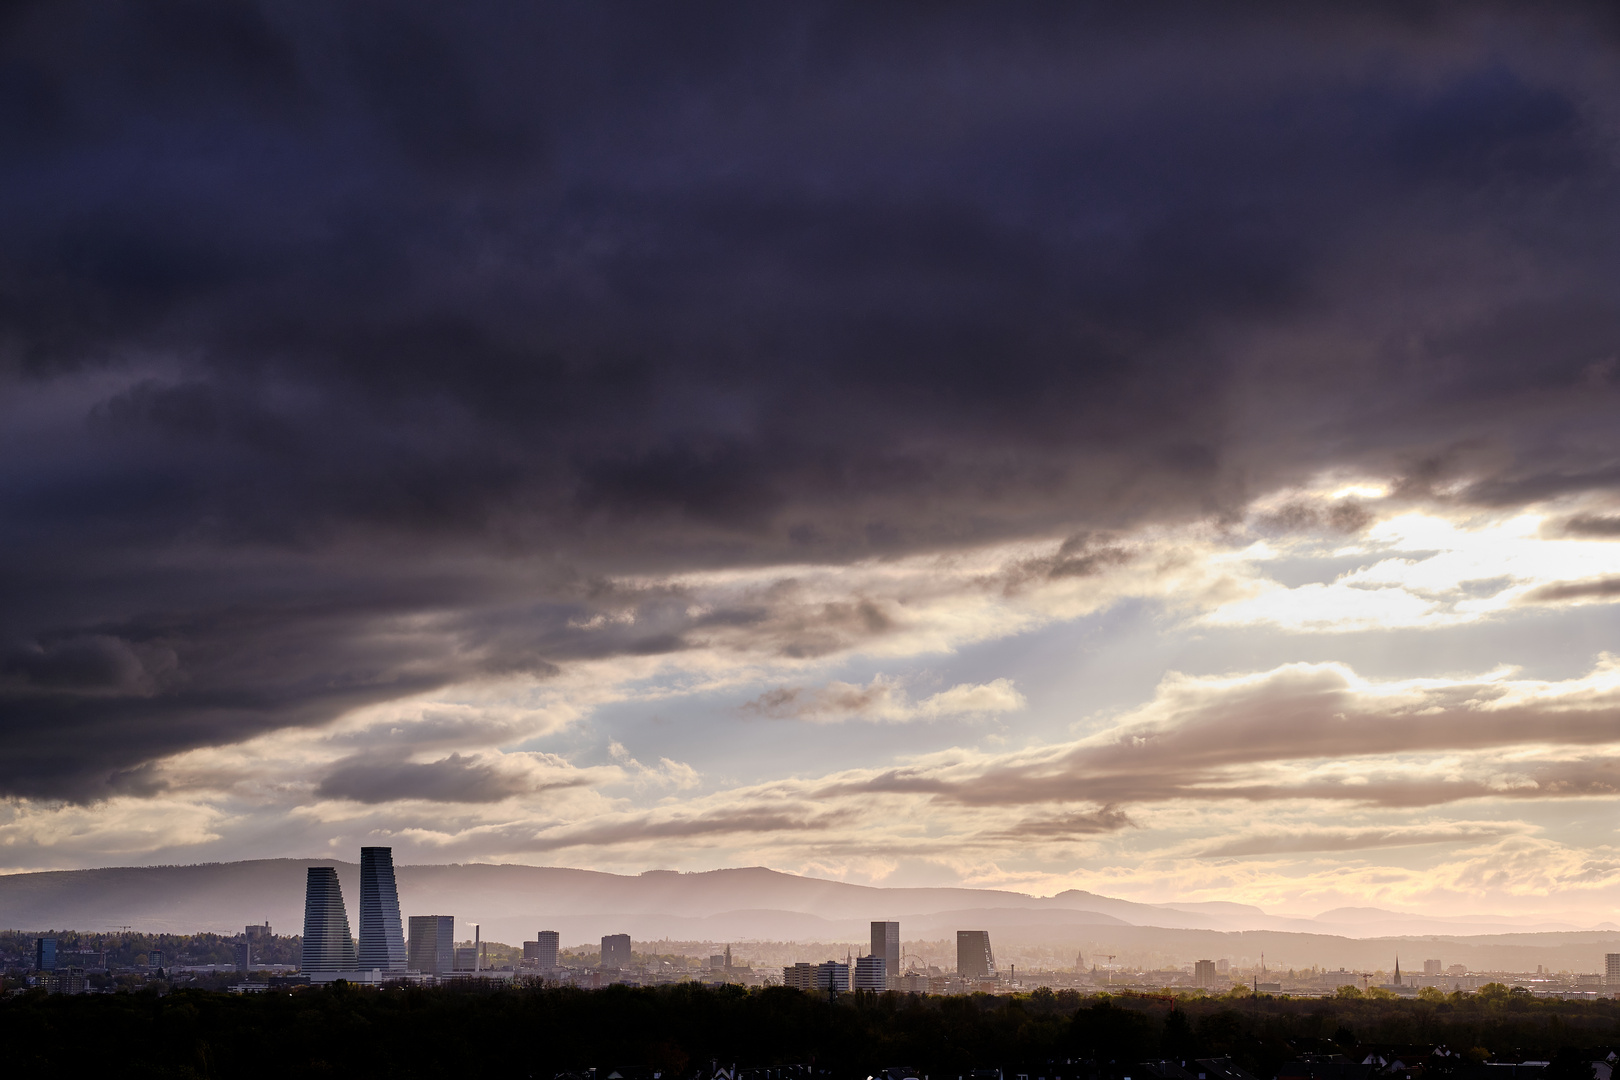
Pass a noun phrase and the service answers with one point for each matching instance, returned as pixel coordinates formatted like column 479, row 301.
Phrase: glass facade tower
column 886, row 943
column 433, row 944
column 973, row 956
column 382, row 934
column 328, row 945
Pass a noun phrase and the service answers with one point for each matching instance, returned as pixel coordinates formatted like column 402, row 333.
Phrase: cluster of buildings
column 54, row 966
column 382, row 951
column 68, row 979
column 423, row 948
column 1221, row 975
column 881, row 969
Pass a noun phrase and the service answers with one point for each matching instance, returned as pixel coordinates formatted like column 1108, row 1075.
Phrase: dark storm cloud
column 345, row 346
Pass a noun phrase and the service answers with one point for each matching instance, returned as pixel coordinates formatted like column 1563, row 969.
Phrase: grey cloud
column 1308, row 840
column 647, row 827
column 1105, row 819
column 454, row 779
column 1592, row 525
column 1573, row 590
column 342, row 349
column 1345, row 516
column 1082, row 555
column 436, row 728
column 836, row 699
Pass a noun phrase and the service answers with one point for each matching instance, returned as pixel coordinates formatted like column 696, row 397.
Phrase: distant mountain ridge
column 747, row 903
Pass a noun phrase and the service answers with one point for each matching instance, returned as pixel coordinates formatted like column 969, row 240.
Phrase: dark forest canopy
column 677, row 1030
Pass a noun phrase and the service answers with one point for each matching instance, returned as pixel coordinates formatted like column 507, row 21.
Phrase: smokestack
column 478, row 951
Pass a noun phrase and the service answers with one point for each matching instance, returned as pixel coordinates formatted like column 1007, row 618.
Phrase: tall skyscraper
column 616, row 951
column 382, row 937
column 433, row 944
column 886, row 943
column 974, row 960
column 328, row 946
column 45, row 954
column 549, row 942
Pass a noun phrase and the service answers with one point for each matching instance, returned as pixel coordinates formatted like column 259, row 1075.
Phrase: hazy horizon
column 1167, row 455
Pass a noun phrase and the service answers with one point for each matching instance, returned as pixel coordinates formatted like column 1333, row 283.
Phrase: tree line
column 540, row 1031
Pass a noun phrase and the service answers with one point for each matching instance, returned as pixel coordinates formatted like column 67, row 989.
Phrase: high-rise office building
column 886, row 943
column 259, row 935
column 974, row 960
column 432, row 949
column 1204, row 973
column 1431, row 967
column 45, row 954
column 154, row 960
column 1611, row 968
column 871, row 973
column 616, row 951
column 328, row 945
column 382, row 936
column 549, row 943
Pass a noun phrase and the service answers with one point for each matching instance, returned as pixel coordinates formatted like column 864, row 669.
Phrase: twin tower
column 327, row 943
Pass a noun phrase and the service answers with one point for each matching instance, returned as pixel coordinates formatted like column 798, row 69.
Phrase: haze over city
column 1023, row 449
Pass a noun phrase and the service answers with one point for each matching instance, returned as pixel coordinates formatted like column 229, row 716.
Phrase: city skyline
column 1170, row 456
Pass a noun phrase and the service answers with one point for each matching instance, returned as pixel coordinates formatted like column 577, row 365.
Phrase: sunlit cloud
column 885, row 700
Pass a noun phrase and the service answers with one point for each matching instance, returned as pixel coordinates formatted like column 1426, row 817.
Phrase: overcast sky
column 1167, row 452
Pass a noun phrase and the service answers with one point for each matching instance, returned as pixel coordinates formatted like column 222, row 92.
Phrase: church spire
column 1397, row 971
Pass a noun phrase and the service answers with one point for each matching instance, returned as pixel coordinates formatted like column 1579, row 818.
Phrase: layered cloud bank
column 1014, row 448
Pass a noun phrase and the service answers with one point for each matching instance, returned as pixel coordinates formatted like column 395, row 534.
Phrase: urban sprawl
column 424, row 950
